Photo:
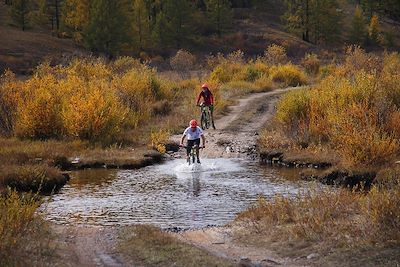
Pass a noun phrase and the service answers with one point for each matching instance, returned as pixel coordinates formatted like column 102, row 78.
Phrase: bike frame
column 205, row 116
column 192, row 154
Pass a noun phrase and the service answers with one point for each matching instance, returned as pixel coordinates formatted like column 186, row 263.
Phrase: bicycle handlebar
column 200, row 147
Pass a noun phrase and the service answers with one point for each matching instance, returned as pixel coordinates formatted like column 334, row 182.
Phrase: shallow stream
column 170, row 195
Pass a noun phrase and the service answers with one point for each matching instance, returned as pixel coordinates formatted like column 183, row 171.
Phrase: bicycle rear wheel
column 203, row 120
column 208, row 118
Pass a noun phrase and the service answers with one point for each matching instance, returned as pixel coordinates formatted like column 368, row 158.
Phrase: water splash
column 180, row 166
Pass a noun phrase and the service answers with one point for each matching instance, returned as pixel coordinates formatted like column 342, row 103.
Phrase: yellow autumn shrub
column 353, row 111
column 11, row 92
column 288, row 75
column 39, row 109
column 158, row 140
column 93, row 113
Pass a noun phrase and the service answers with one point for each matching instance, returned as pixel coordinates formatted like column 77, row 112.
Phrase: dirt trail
column 235, row 136
column 236, row 133
column 87, row 246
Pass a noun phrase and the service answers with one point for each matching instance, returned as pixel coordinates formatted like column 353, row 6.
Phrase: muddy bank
column 342, row 178
column 33, row 178
column 320, row 169
column 48, row 176
column 279, row 158
column 121, row 160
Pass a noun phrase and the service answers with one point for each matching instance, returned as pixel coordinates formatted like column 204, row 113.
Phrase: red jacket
column 207, row 97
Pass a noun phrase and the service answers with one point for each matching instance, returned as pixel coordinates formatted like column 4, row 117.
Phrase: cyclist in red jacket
column 208, row 100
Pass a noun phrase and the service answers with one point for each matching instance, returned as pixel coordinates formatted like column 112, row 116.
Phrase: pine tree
column 314, row 19
column 178, row 14
column 370, row 7
column 50, row 11
column 297, row 17
column 141, row 23
column 325, row 20
column 220, row 13
column 160, row 33
column 107, row 29
column 358, row 27
column 19, row 12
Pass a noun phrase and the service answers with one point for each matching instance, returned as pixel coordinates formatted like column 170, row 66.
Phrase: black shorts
column 191, row 143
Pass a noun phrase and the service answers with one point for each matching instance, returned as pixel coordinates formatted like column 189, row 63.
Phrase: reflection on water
column 168, row 195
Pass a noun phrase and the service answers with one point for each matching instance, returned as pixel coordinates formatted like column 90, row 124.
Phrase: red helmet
column 204, row 86
column 193, row 123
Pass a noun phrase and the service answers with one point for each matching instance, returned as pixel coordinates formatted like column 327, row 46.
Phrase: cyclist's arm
column 212, row 99
column 198, row 98
column 183, row 138
column 204, row 140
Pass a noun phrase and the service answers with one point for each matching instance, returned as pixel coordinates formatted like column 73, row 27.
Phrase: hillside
column 252, row 30
column 20, row 51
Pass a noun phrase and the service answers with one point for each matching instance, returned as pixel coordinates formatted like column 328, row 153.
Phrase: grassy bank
column 348, row 120
column 25, row 237
column 330, row 223
column 352, row 112
column 149, row 246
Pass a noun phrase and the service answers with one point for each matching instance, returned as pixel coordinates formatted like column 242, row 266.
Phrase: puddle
column 171, row 195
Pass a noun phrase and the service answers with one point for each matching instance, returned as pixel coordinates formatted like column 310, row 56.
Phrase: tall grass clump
column 288, row 75
column 275, row 55
column 255, row 74
column 311, row 63
column 24, row 236
column 354, row 110
column 339, row 218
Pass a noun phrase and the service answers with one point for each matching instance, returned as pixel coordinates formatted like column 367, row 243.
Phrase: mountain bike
column 205, row 116
column 192, row 154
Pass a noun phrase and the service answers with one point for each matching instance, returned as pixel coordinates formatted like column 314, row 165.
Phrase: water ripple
column 168, row 195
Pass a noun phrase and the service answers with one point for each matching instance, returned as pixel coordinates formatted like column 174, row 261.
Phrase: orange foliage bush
column 356, row 111
column 88, row 99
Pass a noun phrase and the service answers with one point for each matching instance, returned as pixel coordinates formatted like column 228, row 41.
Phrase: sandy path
column 235, row 136
column 87, row 246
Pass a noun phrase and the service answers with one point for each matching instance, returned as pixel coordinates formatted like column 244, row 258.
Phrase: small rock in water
column 312, row 256
column 76, row 160
column 268, row 262
column 245, row 262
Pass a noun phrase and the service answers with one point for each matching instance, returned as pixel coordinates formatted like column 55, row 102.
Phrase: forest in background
column 155, row 27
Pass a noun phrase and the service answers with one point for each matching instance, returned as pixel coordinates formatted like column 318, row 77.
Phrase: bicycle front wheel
column 193, row 157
